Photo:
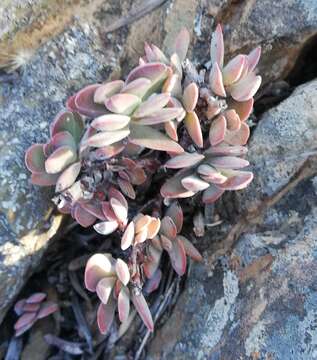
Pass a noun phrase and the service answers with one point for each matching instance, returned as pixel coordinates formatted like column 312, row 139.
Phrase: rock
column 258, row 300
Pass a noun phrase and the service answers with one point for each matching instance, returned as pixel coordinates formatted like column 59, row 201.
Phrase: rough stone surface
column 259, row 300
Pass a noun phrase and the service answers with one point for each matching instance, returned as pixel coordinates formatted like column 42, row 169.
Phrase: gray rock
column 259, row 300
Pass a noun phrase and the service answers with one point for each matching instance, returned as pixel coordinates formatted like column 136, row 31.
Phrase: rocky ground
column 255, row 295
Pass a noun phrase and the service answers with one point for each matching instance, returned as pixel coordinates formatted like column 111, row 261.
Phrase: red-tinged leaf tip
column 190, row 249
column 182, row 42
column 239, row 181
column 36, row 298
column 152, row 71
column 151, row 105
column 212, row 194
column 217, row 47
column 217, row 130
column 168, row 227
column 238, row 137
column 123, row 272
column 216, row 81
column 35, row 158
column 143, row 310
column 124, row 304
column 193, row 127
column 104, row 288
column 151, row 138
column 184, row 160
column 233, row 70
column 104, row 91
column 178, row 257
column 245, row 88
column 123, row 104
column 105, row 315
column 47, row 308
column 98, row 267
column 253, row 58
column 128, row 236
column 25, row 319
column 84, row 102
column 190, row 97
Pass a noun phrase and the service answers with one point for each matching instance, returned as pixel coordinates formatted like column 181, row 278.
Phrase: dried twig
column 69, row 347
column 135, row 14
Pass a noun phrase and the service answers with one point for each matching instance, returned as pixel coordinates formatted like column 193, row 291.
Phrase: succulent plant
column 57, row 162
column 110, row 279
column 30, row 310
column 166, row 123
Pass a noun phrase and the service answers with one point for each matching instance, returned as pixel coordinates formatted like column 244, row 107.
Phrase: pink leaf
column 153, row 283
column 106, row 138
column 160, row 116
column 104, row 288
column 238, row 137
column 124, row 304
column 84, row 102
column 227, row 150
column 233, row 120
column 228, row 162
column 233, row 70
column 31, row 307
column 115, row 193
column 106, row 227
column 127, row 188
column 192, row 125
column 152, row 105
column 36, row 298
column 182, row 42
column 59, row 159
column 128, row 236
column 98, row 267
column 110, row 122
column 194, row 183
column 152, row 71
column 184, row 160
column 190, row 96
column 143, row 310
column 18, row 307
column 210, row 174
column 47, row 308
column 94, row 208
column 142, row 222
column 190, row 249
column 173, row 188
column 216, row 82
column 245, row 88
column 178, row 257
column 166, row 243
column 68, row 177
column 105, row 315
column 175, row 212
column 35, row 158
column 243, row 108
column 153, row 139
column 83, row 217
column 168, row 227
column 138, row 87
column 123, row 272
column 106, row 90
column 253, row 58
column 123, row 104
column 107, row 152
column 68, row 121
column 119, row 209
column 153, row 228
column 239, row 180
column 25, row 319
column 108, row 212
column 171, row 129
column 217, row 130
column 217, row 47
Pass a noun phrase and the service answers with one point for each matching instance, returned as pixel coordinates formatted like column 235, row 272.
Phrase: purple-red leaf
column 46, row 309
column 178, row 257
column 35, row 158
column 124, row 304
column 168, row 227
column 84, row 102
column 105, row 315
column 143, row 310
column 212, row 194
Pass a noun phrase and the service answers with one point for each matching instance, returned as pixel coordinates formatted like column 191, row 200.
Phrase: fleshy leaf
column 253, row 58
column 182, row 42
column 166, row 243
column 190, row 249
column 119, row 209
column 160, row 116
column 228, row 162
column 104, row 288
column 106, row 227
column 210, row 174
column 243, row 108
column 124, row 304
column 217, row 47
column 83, row 217
column 106, row 138
column 123, row 272
column 153, row 283
column 107, row 152
column 175, row 212
column 36, row 298
column 245, row 88
column 153, row 228
column 143, row 310
column 178, row 257
column 171, row 129
column 105, row 91
column 238, row 137
column 138, row 87
column 142, row 222
column 152, row 71
column 123, row 104
column 216, row 82
column 105, row 315
column 193, row 127
column 59, row 159
column 190, row 96
column 127, row 188
column 68, row 121
column 94, row 208
column 168, row 227
column 35, row 158
column 98, row 267
column 115, row 193
column 152, row 105
column 232, row 71
column 239, row 180
column 184, row 160
column 110, row 122
column 47, row 308
column 84, row 102
column 153, row 139
column 227, row 150
column 25, row 319
column 233, row 120
column 217, row 130
column 173, row 188
column 128, row 236
column 43, row 179
column 68, row 177
column 194, row 183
